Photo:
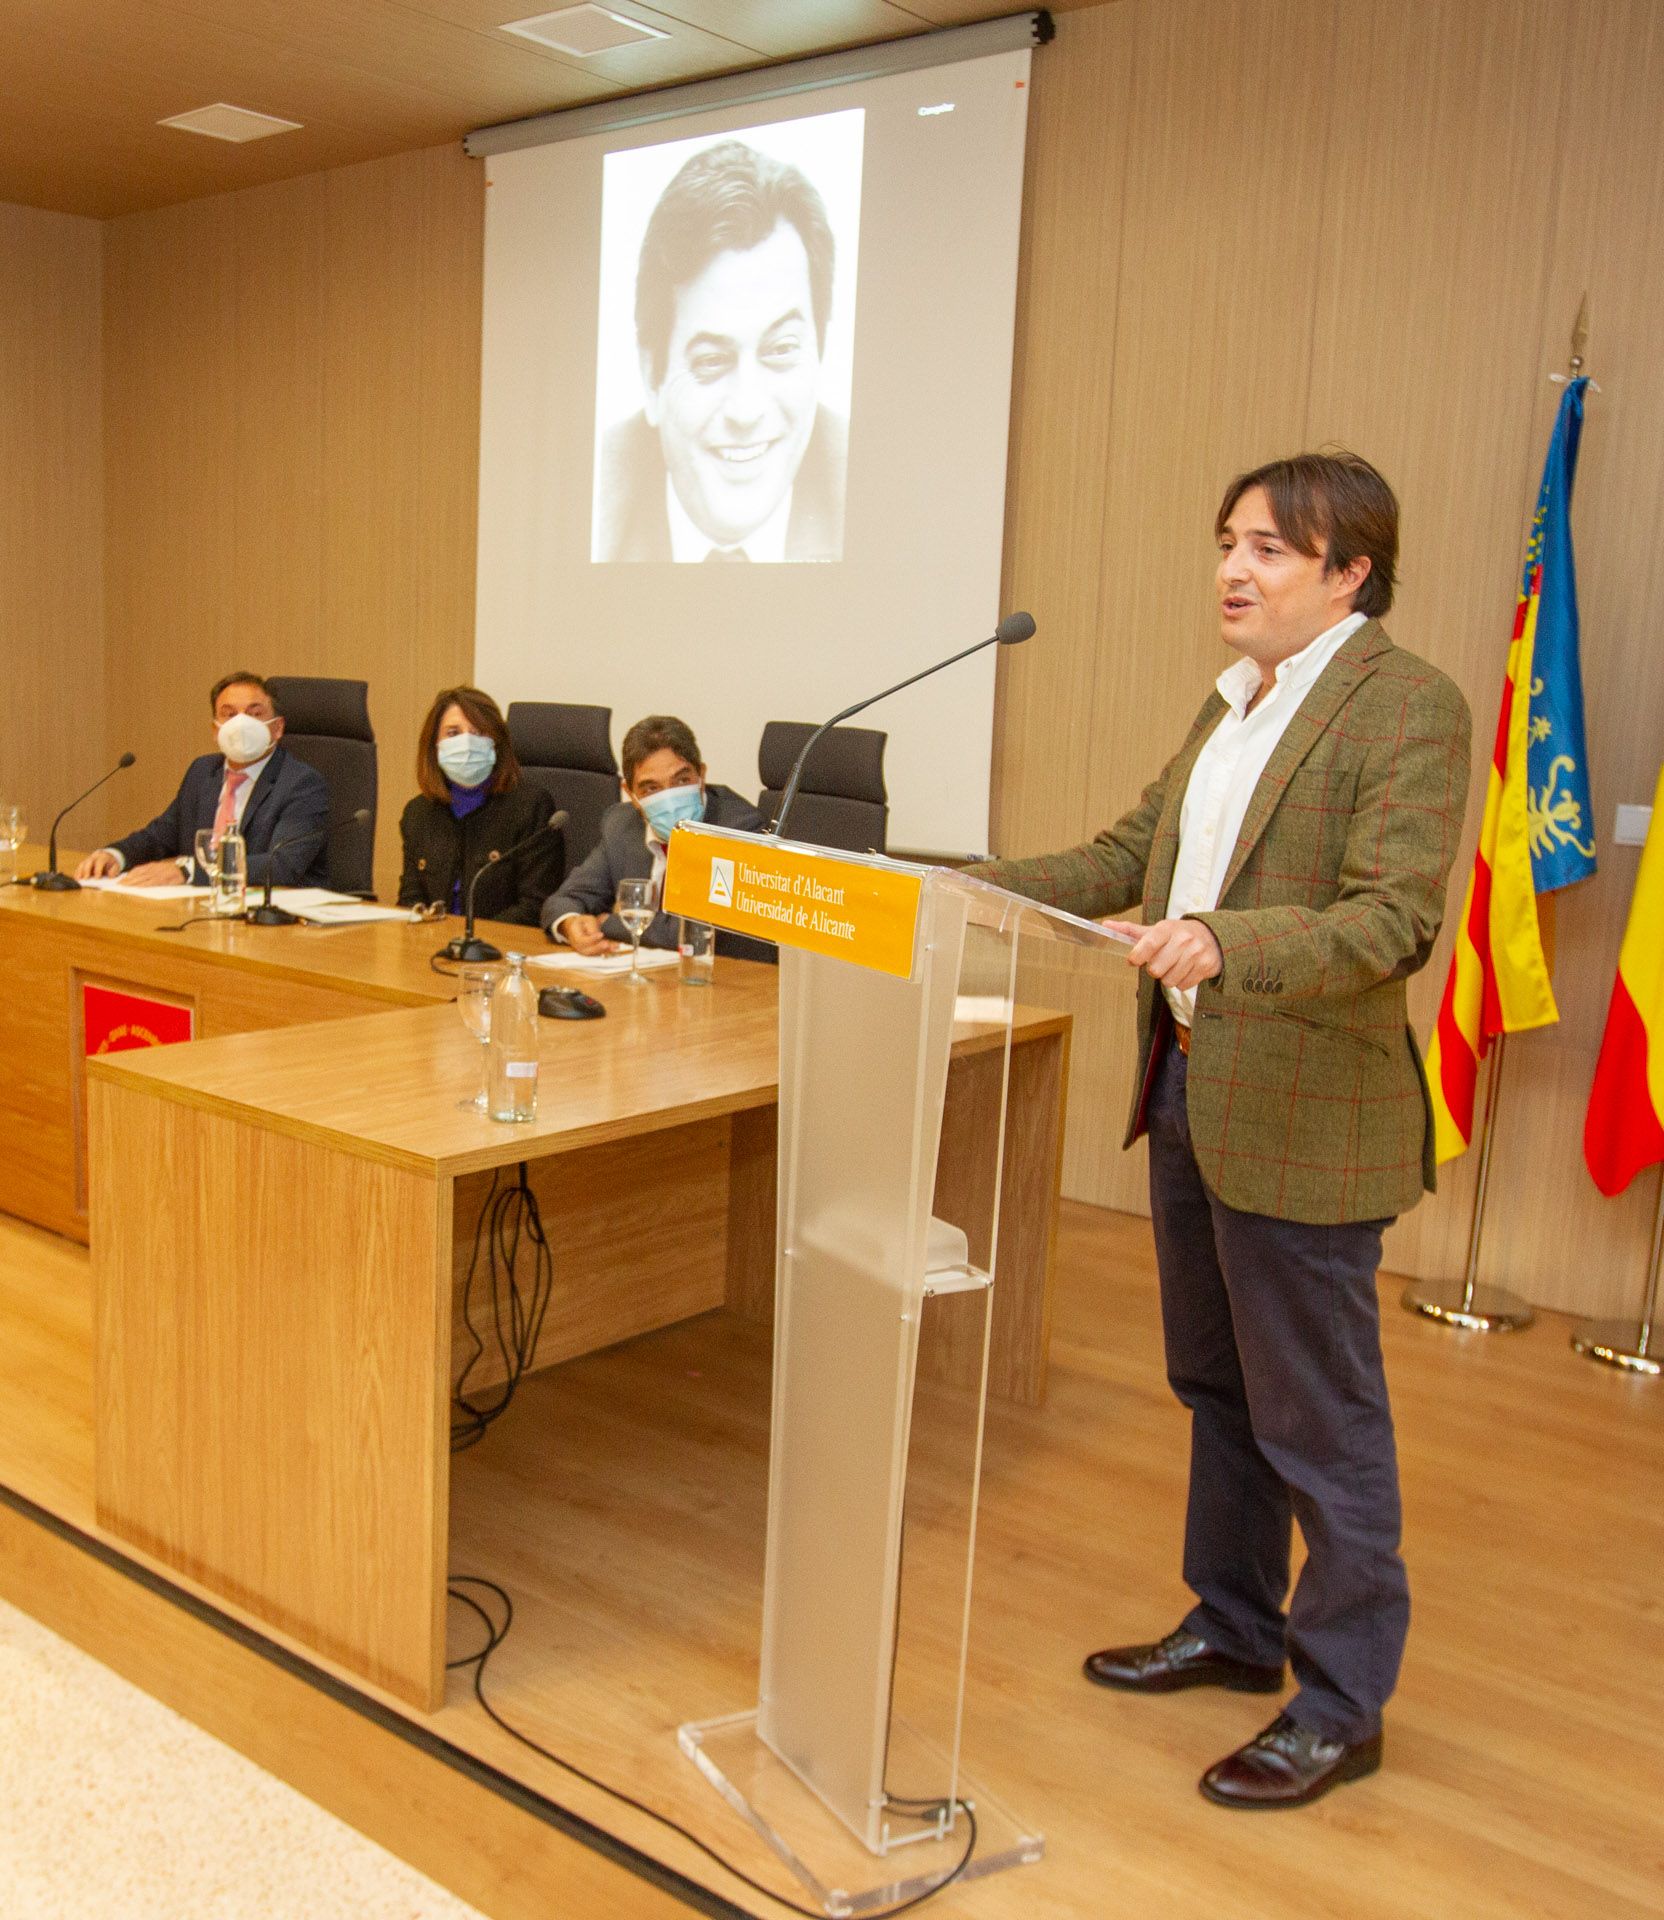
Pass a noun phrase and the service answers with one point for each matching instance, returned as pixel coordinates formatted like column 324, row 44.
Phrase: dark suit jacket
column 622, row 853
column 629, row 502
column 289, row 799
column 1305, row 1090
column 439, row 850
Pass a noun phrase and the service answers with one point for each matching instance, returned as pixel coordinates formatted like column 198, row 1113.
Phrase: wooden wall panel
column 51, row 513
column 1371, row 224
column 1552, row 1235
column 1439, row 384
column 293, row 380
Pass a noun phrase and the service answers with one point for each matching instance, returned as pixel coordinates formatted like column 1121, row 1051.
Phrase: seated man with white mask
column 663, row 783
column 252, row 783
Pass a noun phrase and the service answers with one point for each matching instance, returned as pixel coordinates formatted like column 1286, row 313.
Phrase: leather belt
column 1181, row 1038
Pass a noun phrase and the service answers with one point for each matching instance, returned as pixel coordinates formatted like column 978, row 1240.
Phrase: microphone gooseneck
column 1011, row 631
column 266, row 915
column 51, row 880
column 466, row 947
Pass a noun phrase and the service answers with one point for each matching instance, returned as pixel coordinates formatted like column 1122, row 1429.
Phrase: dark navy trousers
column 1274, row 1344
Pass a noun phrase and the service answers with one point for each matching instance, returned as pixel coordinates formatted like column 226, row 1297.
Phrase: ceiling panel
column 83, row 82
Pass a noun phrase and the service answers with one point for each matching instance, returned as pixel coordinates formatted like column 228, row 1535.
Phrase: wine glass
column 207, row 853
column 475, row 986
column 13, row 833
column 634, row 906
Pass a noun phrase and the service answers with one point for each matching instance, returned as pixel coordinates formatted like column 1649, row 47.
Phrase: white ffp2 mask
column 244, row 738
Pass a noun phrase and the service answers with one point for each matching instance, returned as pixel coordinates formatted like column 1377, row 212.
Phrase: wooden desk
column 277, row 1223
column 234, row 978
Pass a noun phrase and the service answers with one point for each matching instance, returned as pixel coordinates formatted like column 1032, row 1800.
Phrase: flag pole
column 1476, row 1308
column 1621, row 1343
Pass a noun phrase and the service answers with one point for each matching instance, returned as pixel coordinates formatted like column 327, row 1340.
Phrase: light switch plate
column 1630, row 828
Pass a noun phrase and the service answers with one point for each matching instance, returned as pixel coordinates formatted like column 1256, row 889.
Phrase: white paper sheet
column 349, row 913
column 602, row 965
column 117, row 886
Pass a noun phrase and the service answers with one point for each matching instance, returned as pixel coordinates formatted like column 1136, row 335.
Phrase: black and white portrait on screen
column 724, row 359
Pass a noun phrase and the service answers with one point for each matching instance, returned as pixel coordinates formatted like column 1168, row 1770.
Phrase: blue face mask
column 667, row 809
column 466, row 759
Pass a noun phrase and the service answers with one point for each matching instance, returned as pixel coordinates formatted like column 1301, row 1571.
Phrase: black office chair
column 841, row 801
column 326, row 723
column 567, row 751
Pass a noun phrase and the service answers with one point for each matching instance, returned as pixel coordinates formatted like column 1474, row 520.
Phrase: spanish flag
column 1624, row 1129
column 1533, row 837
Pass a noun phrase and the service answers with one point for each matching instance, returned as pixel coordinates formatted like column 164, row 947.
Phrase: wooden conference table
column 281, row 1212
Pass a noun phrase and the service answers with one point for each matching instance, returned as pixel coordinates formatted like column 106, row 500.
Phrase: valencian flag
column 1533, row 838
column 1624, row 1129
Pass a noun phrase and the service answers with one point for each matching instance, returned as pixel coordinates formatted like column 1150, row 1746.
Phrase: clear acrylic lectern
column 849, row 1765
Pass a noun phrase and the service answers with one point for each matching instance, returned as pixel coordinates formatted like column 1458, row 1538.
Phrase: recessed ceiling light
column 583, row 30
column 221, row 122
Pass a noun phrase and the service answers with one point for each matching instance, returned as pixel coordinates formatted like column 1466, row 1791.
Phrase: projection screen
column 745, row 405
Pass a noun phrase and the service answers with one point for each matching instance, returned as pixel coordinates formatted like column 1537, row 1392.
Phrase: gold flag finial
column 1580, row 335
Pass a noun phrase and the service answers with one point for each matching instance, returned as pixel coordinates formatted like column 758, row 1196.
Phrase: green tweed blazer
column 1307, row 1099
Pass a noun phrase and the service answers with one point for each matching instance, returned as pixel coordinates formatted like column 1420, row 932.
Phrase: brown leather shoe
column 1288, row 1766
column 1183, row 1659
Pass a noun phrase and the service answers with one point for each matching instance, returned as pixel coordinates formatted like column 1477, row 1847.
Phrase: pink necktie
column 227, row 814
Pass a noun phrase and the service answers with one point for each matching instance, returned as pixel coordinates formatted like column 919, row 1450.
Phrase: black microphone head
column 127, row 759
column 1014, row 628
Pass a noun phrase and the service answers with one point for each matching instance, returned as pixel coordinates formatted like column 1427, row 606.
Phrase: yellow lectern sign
column 798, row 898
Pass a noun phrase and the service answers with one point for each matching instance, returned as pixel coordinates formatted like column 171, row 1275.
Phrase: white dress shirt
column 1228, row 769
column 768, row 543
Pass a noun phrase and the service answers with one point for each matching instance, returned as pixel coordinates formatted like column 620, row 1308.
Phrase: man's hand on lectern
column 1179, row 953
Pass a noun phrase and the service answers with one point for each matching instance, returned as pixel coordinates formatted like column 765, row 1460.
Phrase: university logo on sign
column 861, row 911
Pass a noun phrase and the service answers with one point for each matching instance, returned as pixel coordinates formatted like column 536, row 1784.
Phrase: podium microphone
column 51, row 880
column 266, row 915
column 465, row 947
column 1011, row 632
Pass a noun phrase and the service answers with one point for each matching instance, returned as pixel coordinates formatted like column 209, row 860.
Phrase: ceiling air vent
column 583, row 31
column 221, row 122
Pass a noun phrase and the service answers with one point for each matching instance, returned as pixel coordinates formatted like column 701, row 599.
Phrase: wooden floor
column 621, row 1502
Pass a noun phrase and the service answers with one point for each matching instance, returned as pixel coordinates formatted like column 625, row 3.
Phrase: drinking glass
column 634, row 906
column 475, row 986
column 13, row 833
column 207, row 852
column 697, row 946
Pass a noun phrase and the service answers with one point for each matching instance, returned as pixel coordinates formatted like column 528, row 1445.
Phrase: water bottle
column 229, row 877
column 514, row 1045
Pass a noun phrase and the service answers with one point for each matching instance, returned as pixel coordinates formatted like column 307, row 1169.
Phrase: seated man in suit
column 732, row 456
column 663, row 783
column 251, row 783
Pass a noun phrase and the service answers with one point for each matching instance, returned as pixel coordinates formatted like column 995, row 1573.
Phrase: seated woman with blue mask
column 663, row 783
column 474, row 808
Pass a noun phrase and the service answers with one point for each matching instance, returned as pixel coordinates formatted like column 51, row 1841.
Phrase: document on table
column 602, row 965
column 117, row 885
column 325, row 909
column 352, row 913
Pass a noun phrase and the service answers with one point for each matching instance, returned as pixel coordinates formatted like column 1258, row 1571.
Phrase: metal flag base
column 1628, row 1343
column 1616, row 1343
column 1478, row 1309
column 1465, row 1303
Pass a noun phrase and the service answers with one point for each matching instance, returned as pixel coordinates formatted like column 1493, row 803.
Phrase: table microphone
column 1011, row 632
column 465, row 947
column 266, row 915
column 51, row 880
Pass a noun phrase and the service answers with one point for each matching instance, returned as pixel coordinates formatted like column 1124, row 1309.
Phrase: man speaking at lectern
column 1291, row 860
